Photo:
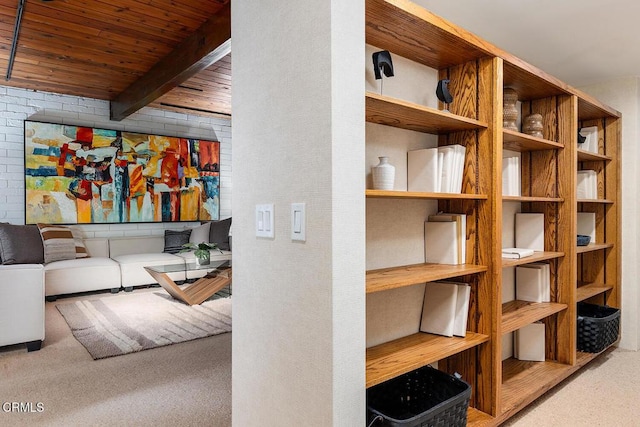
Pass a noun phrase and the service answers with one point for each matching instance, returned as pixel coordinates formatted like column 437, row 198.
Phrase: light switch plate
column 298, row 222
column 265, row 220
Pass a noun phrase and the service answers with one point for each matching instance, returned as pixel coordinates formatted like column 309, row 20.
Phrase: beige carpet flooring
column 189, row 384
column 605, row 393
column 186, row 384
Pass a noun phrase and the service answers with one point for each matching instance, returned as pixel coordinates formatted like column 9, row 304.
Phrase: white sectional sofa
column 113, row 264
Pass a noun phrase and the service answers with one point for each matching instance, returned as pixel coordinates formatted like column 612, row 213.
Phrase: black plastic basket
column 598, row 327
column 420, row 398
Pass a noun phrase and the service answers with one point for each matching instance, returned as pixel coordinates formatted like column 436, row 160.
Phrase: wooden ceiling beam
column 208, row 44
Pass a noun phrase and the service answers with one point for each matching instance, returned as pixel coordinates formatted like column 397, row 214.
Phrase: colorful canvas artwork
column 84, row 175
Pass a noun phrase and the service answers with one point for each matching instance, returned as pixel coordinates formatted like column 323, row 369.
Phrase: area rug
column 127, row 323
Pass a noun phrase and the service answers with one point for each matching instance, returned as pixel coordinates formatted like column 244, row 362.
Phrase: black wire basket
column 420, row 398
column 598, row 327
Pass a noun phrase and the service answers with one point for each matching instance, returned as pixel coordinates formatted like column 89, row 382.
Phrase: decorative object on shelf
column 532, row 125
column 442, row 92
column 581, row 138
column 583, row 240
column 382, row 63
column 384, row 174
column 510, row 112
column 201, row 251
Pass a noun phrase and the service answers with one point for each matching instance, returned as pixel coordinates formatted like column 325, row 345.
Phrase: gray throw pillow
column 20, row 244
column 173, row 240
column 219, row 233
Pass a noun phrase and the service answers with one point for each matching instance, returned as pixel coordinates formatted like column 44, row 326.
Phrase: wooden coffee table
column 200, row 290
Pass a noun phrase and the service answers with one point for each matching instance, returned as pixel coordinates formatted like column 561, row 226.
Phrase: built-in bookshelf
column 478, row 72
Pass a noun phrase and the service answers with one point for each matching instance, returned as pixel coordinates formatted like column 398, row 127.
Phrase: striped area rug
column 127, row 323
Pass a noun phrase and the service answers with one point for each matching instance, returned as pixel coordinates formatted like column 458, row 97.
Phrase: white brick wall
column 17, row 105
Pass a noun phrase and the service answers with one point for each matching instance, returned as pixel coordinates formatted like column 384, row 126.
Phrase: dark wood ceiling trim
column 208, row 44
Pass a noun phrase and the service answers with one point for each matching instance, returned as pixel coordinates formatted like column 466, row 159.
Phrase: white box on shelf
column 529, row 230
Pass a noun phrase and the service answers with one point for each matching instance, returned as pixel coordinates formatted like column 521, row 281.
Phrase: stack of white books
column 533, row 282
column 529, row 231
column 445, row 309
column 511, row 177
column 591, row 139
column 587, row 184
column 436, row 170
column 445, row 238
column 528, row 343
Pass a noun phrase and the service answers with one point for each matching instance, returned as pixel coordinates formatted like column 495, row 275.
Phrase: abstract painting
column 84, row 175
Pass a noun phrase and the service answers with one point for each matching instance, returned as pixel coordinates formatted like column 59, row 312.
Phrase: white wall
column 624, row 96
column 17, row 105
column 298, row 109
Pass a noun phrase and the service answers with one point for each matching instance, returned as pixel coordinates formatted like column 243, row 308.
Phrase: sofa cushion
column 20, row 244
column 200, row 233
column 58, row 242
column 173, row 240
column 81, row 275
column 81, row 249
column 132, row 267
column 219, row 233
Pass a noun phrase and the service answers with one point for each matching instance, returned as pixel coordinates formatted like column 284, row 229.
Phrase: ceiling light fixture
column 14, row 42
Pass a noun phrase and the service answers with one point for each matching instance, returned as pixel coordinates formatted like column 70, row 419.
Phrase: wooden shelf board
column 584, row 155
column 602, row 201
column 530, row 82
column 523, row 382
column 537, row 256
column 517, row 141
column 421, row 195
column 591, row 290
column 530, row 199
column 593, row 247
column 394, row 112
column 590, row 108
column 397, row 357
column 412, row 32
column 407, row 275
column 516, row 314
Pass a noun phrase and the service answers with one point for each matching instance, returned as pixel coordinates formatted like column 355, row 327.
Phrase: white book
column 462, row 310
column 446, row 177
column 529, row 343
column 511, row 180
column 529, row 284
column 461, row 231
column 440, row 168
column 587, row 224
column 529, row 230
column 546, row 278
column 516, row 189
column 439, row 308
column 587, row 184
column 441, row 242
column 516, row 253
column 591, row 139
column 460, row 152
column 422, row 170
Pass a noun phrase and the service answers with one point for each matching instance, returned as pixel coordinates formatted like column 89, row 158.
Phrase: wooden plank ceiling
column 101, row 48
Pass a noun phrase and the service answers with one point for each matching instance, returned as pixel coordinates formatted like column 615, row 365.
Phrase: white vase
column 384, row 174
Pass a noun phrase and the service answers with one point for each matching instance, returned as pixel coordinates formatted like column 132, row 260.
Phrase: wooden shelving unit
column 478, row 72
